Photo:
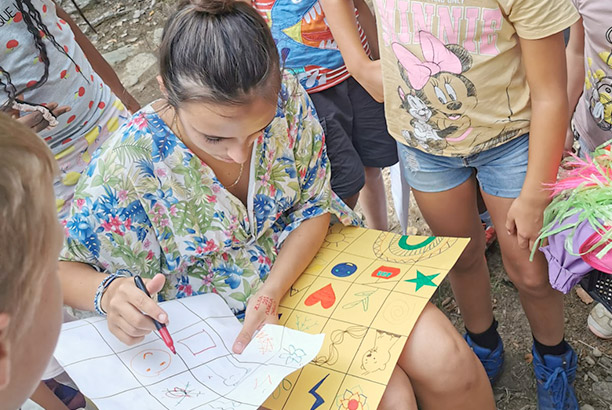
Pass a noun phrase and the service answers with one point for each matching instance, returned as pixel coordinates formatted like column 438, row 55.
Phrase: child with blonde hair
column 30, row 240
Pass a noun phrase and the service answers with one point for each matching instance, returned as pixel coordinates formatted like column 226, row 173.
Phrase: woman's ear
column 162, row 87
column 5, row 349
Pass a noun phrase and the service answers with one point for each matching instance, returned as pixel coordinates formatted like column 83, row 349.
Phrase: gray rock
column 83, row 5
column 589, row 360
column 119, row 55
column 596, row 352
column 604, row 361
column 603, row 390
column 592, row 376
column 587, row 407
column 157, row 36
column 136, row 15
column 136, row 67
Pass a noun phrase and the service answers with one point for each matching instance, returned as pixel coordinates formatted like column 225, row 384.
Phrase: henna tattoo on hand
column 266, row 303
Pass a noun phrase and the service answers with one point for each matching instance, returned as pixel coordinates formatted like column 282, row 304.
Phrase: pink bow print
column 437, row 59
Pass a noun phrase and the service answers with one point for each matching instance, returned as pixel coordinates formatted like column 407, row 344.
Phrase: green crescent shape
column 403, row 243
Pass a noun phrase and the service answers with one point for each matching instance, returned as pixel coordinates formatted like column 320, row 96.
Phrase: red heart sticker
column 325, row 295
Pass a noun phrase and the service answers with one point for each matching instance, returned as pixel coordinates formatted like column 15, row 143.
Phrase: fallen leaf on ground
column 584, row 296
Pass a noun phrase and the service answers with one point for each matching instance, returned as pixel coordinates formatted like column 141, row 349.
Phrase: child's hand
column 126, row 306
column 36, row 121
column 370, row 77
column 525, row 218
column 261, row 309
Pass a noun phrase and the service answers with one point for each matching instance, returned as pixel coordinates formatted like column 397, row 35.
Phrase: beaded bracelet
column 121, row 273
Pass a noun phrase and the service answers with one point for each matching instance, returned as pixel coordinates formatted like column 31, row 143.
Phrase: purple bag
column 564, row 269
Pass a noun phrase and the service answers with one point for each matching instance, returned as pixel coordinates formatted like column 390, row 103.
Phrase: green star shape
column 423, row 280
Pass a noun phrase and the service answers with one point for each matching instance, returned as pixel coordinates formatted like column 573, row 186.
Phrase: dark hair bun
column 209, row 6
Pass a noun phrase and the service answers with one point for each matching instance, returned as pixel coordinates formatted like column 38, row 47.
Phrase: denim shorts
column 500, row 170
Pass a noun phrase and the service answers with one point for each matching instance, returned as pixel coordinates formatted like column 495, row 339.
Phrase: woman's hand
column 525, row 218
column 127, row 308
column 261, row 309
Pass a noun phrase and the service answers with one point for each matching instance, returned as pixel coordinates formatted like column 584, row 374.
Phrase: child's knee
column 530, row 278
column 454, row 367
column 472, row 256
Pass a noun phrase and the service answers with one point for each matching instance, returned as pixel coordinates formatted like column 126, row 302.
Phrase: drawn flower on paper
column 352, row 401
column 293, row 355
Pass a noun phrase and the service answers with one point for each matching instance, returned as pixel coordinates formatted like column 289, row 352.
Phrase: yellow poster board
column 365, row 290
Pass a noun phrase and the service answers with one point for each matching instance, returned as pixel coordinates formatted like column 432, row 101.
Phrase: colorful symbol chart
column 365, row 289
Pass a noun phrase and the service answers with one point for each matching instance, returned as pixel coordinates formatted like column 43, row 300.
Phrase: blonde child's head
column 30, row 239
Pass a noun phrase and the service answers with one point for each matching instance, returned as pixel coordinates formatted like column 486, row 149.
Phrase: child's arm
column 544, row 62
column 340, row 16
column 99, row 64
column 297, row 252
column 574, row 55
column 368, row 24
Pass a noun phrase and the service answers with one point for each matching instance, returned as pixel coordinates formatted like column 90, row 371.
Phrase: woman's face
column 225, row 132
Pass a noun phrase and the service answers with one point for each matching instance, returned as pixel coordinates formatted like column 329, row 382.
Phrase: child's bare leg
column 373, row 199
column 398, row 394
column 45, row 398
column 542, row 304
column 454, row 213
column 443, row 370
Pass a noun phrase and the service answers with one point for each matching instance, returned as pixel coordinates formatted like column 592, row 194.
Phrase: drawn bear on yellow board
column 378, row 356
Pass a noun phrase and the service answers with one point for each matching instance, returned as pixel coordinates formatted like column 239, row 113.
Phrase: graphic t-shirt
column 305, row 42
column 593, row 115
column 452, row 71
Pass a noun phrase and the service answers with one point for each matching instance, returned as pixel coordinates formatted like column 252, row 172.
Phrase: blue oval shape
column 342, row 270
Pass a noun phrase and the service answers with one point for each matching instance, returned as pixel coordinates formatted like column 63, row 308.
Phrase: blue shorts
column 500, row 170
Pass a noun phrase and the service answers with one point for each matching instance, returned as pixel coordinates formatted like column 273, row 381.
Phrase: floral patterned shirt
column 149, row 205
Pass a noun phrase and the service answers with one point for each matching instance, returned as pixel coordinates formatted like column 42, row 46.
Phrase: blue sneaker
column 555, row 376
column 492, row 360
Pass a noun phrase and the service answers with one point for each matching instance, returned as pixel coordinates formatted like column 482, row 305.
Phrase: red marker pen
column 161, row 328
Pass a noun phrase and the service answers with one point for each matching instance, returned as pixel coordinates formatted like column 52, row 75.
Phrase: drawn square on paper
column 223, row 374
column 117, row 345
column 259, row 384
column 182, row 391
column 179, row 316
column 115, row 376
column 71, row 340
column 198, row 342
column 152, row 362
column 226, row 329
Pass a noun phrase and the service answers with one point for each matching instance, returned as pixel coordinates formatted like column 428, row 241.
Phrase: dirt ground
column 128, row 34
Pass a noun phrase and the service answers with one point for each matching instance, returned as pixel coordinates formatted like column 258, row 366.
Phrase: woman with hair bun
column 223, row 186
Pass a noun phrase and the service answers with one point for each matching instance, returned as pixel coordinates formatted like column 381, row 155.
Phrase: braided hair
column 38, row 29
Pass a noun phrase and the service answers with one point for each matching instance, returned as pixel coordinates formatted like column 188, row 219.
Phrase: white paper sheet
column 203, row 374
